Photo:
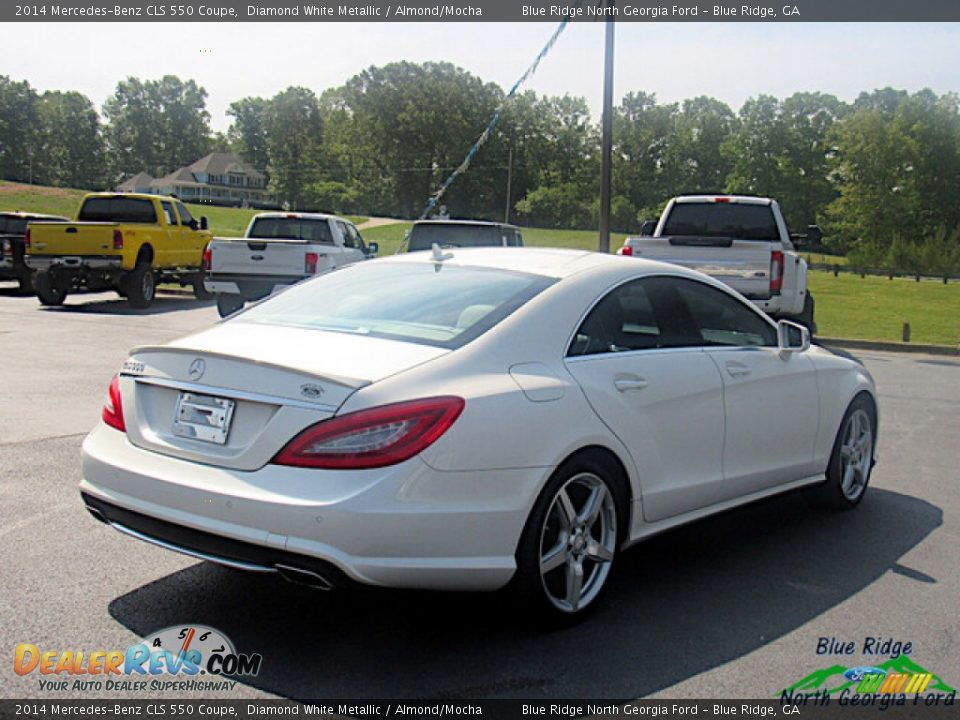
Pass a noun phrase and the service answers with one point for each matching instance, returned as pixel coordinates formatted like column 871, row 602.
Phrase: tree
column 19, row 119
column 156, row 126
column 72, row 145
column 247, row 133
column 692, row 161
column 293, row 130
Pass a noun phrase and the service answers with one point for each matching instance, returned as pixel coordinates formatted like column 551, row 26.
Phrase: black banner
column 482, row 11
column 884, row 707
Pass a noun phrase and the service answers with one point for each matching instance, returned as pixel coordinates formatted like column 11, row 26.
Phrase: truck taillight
column 776, row 272
column 26, row 238
column 310, row 263
column 626, row 250
column 117, row 240
column 207, row 259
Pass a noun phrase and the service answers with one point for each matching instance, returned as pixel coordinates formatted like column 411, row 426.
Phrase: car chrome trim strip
column 192, row 553
column 230, row 393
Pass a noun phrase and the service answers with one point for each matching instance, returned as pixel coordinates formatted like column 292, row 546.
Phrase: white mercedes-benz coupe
column 469, row 419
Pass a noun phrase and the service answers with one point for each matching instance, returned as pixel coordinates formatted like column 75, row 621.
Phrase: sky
column 729, row 61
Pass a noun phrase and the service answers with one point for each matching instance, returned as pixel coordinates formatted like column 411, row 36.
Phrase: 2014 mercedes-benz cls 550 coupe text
column 469, row 419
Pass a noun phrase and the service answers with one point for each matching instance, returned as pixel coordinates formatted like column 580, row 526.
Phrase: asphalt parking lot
column 731, row 607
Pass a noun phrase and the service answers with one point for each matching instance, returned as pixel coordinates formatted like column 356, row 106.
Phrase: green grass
column 874, row 308
column 225, row 222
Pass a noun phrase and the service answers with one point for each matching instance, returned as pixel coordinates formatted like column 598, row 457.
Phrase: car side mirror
column 647, row 227
column 204, row 223
column 372, row 249
column 792, row 338
column 814, row 235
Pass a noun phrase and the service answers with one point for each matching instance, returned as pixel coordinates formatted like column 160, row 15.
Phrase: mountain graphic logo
column 837, row 678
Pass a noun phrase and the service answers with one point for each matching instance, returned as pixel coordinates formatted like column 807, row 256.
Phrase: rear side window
column 623, row 320
column 168, row 213
column 315, row 231
column 711, row 219
column 118, row 209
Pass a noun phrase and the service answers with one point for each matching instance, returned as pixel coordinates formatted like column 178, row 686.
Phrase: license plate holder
column 203, row 417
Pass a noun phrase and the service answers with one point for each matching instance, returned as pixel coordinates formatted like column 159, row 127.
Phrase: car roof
column 478, row 223
column 294, row 215
column 549, row 262
column 742, row 199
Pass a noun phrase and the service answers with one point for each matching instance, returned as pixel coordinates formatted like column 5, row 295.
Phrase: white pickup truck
column 740, row 240
column 279, row 249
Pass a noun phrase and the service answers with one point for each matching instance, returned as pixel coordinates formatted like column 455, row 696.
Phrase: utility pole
column 606, row 145
column 506, row 211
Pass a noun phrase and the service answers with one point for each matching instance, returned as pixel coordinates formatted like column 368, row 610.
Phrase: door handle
column 631, row 383
column 737, row 369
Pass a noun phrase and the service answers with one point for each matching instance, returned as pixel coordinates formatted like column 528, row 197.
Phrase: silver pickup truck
column 279, row 249
column 740, row 240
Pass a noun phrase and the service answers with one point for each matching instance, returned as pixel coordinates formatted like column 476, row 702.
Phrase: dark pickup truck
column 13, row 227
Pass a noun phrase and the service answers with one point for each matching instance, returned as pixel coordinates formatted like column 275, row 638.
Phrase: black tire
column 228, row 304
column 851, row 460
column 50, row 290
column 805, row 318
column 570, row 541
column 26, row 284
column 140, row 286
column 199, row 291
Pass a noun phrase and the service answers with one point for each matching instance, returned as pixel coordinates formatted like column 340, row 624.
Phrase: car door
column 190, row 245
column 771, row 400
column 352, row 244
column 664, row 401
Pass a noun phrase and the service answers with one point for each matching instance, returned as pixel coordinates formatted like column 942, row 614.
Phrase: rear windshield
column 422, row 237
column 712, row 219
column 16, row 225
column 317, row 231
column 118, row 209
column 441, row 305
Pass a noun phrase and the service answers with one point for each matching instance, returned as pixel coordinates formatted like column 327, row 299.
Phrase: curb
column 890, row 346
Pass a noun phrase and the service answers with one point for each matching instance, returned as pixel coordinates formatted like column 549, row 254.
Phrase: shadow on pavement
column 678, row 605
column 112, row 304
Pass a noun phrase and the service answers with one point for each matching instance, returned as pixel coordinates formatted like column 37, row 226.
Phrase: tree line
column 880, row 174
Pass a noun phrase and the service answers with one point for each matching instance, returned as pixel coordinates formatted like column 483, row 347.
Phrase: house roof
column 219, row 163
column 139, row 180
column 181, row 176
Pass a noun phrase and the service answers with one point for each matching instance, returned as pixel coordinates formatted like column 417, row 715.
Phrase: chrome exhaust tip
column 301, row 576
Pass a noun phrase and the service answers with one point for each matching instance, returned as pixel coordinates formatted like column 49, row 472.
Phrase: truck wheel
column 26, row 284
column 140, row 286
column 50, row 290
column 228, row 304
column 805, row 318
column 199, row 291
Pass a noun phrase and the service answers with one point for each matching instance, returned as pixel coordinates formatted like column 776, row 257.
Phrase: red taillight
column 26, row 238
column 117, row 240
column 377, row 437
column 776, row 272
column 112, row 413
column 310, row 263
column 721, row 199
column 626, row 250
column 207, row 258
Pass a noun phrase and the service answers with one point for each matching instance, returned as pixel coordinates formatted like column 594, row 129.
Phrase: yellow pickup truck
column 125, row 242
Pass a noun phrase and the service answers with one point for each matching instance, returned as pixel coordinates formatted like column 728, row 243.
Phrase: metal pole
column 506, row 212
column 606, row 146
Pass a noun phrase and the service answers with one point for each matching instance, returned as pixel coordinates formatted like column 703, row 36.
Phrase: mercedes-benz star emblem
column 197, row 368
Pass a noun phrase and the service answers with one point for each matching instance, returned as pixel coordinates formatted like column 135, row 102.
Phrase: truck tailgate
column 242, row 256
column 72, row 238
column 744, row 265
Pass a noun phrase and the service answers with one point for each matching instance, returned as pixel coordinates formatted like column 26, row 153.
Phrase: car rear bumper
column 402, row 526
